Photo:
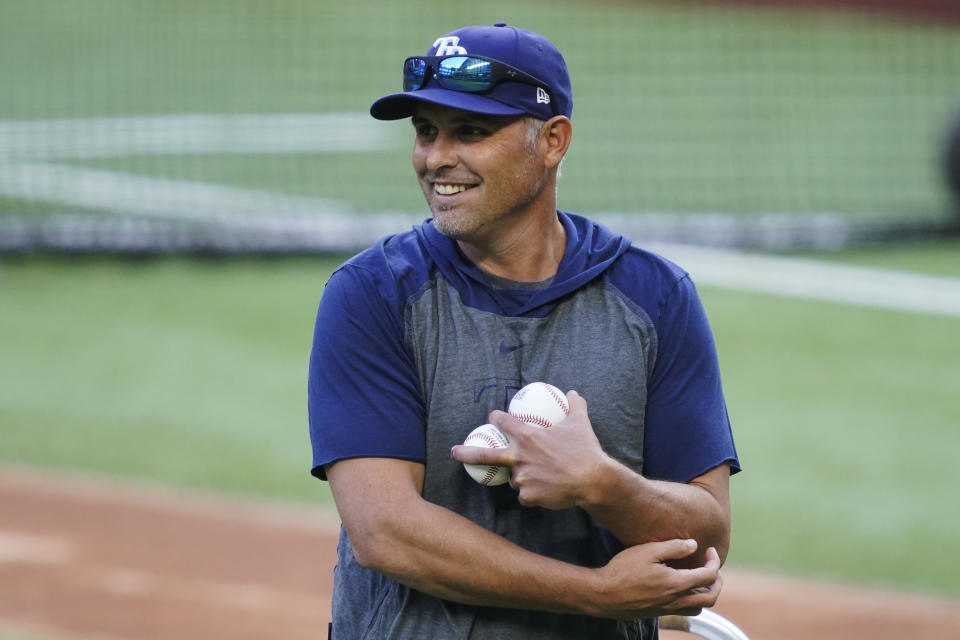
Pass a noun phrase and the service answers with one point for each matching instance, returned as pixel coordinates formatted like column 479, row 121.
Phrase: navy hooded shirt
column 414, row 346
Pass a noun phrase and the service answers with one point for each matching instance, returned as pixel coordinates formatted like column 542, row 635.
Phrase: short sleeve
column 687, row 429
column 362, row 392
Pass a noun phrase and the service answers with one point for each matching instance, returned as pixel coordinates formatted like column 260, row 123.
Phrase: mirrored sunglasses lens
column 465, row 73
column 413, row 72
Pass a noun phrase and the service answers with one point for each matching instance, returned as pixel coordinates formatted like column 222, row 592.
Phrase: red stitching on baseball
column 495, row 443
column 539, row 421
column 559, row 398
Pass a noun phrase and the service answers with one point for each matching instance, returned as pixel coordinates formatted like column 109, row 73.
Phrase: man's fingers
column 700, row 586
column 675, row 549
column 510, row 426
column 482, row 455
column 704, row 581
column 691, row 602
column 577, row 403
column 713, row 558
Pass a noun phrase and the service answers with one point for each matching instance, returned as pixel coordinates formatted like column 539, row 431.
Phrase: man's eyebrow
column 468, row 118
column 483, row 119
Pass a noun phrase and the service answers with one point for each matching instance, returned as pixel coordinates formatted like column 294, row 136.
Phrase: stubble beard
column 447, row 219
column 451, row 223
column 468, row 224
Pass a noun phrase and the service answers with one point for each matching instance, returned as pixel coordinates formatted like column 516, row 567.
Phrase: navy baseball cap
column 523, row 50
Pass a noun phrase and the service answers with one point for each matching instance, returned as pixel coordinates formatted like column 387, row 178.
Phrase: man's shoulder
column 627, row 258
column 395, row 266
column 391, row 254
column 641, row 259
column 645, row 276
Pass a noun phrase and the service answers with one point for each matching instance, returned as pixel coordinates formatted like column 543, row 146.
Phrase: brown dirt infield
column 100, row 560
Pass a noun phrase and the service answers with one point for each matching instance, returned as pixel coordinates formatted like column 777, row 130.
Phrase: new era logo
column 542, row 96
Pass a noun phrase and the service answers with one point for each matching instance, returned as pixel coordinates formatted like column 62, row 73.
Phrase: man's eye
column 426, row 131
column 472, row 132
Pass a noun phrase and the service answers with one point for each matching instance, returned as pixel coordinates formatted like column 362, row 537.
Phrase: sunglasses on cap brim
column 471, row 74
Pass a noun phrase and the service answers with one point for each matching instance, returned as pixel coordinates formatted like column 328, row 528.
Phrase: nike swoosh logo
column 504, row 349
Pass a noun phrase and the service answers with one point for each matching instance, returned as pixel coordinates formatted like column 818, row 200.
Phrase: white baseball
column 540, row 405
column 487, row 435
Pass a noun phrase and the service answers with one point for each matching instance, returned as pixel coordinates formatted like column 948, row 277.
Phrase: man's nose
column 442, row 152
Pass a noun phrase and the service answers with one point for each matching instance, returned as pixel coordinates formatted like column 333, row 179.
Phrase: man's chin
column 447, row 222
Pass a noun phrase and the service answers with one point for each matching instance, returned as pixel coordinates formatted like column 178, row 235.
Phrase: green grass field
column 183, row 371
column 192, row 372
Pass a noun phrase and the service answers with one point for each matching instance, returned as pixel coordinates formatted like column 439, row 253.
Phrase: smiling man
column 487, row 179
column 614, row 516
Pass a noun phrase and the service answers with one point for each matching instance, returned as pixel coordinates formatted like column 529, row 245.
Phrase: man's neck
column 528, row 254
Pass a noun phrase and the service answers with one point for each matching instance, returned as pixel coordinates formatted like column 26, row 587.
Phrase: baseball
column 540, row 405
column 487, row 435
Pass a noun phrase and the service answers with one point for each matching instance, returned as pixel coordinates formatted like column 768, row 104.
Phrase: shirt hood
column 590, row 250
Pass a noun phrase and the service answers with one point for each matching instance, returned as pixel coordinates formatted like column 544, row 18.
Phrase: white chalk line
column 19, row 547
column 34, row 629
column 818, row 280
column 43, row 553
column 243, row 596
column 189, row 134
column 26, row 144
column 133, row 195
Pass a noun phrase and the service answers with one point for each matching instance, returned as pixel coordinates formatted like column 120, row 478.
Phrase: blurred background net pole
column 242, row 127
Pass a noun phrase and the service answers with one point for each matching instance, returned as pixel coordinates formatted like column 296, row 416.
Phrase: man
column 614, row 516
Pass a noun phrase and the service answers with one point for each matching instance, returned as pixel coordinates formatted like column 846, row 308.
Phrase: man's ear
column 557, row 133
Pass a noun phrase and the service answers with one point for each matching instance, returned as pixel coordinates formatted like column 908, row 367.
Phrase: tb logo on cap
column 449, row 46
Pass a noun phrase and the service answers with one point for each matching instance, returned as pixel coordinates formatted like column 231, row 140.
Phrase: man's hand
column 637, row 583
column 551, row 467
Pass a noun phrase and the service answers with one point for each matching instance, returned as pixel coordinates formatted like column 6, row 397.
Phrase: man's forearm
column 442, row 554
column 395, row 531
column 436, row 551
column 637, row 510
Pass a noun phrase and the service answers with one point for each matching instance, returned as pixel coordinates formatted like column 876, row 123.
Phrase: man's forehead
column 440, row 113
